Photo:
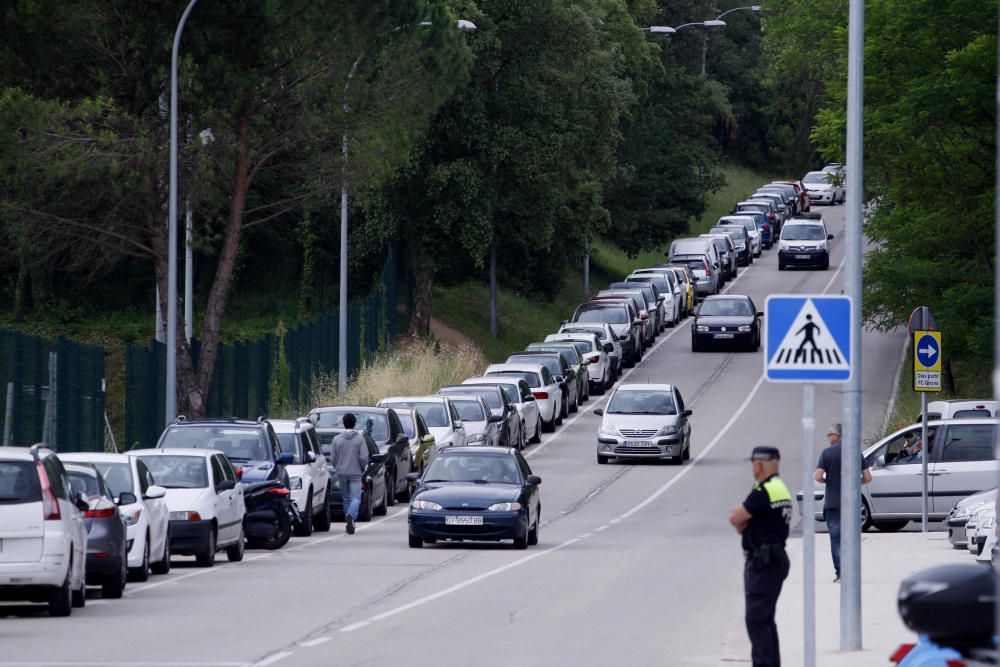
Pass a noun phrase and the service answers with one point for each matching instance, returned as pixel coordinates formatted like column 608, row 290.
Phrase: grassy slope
column 523, row 319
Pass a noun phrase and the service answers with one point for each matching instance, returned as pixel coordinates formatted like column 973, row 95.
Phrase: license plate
column 802, row 257
column 639, row 443
column 723, row 335
column 463, row 520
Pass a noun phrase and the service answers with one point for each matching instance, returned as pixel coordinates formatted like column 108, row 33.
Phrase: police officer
column 763, row 520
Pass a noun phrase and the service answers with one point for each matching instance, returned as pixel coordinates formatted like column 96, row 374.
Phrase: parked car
column 476, row 494
column 727, row 252
column 823, row 188
column 562, row 373
column 801, row 193
column 662, row 301
column 788, row 193
column 804, row 243
column 439, row 415
column 741, row 242
column 605, row 336
column 423, row 444
column 42, row 531
column 511, row 431
column 622, row 319
column 961, row 408
column 647, row 311
column 107, row 554
column 376, row 492
column 308, row 474
column 686, row 276
column 518, row 392
column 205, row 500
column 666, row 281
column 697, row 246
column 251, row 446
column 784, row 211
column 959, row 515
column 142, row 506
column 546, row 390
column 596, row 355
column 766, row 208
column 749, row 224
column 384, row 426
column 726, row 320
column 707, row 280
column 573, row 357
column 646, row 421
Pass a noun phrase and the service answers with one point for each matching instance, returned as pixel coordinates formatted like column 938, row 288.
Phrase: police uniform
column 770, row 507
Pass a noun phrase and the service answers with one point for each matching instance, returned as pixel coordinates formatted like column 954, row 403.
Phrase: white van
column 804, row 242
column 961, row 408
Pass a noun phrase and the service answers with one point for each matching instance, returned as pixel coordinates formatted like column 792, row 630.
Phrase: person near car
column 763, row 520
column 828, row 473
column 349, row 456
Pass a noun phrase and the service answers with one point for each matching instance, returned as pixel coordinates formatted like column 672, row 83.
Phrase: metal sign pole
column 809, row 523
column 924, row 455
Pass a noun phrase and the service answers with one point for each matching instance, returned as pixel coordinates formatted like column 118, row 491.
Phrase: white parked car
column 308, row 474
column 605, row 334
column 205, row 500
column 439, row 414
column 667, row 283
column 548, row 395
column 960, row 408
column 591, row 351
column 147, row 520
column 823, row 188
column 520, row 395
column 44, row 554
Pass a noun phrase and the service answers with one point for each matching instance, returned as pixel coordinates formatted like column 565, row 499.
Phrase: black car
column 741, row 239
column 385, row 429
column 511, row 430
column 476, row 493
column 375, row 496
column 561, row 371
column 252, row 447
column 726, row 320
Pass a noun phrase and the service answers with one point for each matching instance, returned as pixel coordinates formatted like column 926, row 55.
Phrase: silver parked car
column 960, row 514
column 107, row 555
column 645, row 421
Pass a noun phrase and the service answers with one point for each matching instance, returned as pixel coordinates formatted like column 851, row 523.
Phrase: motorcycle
column 270, row 516
column 951, row 607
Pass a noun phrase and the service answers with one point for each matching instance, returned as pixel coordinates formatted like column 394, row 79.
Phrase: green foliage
column 279, row 390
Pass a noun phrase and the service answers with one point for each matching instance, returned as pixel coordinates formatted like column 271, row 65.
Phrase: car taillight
column 708, row 271
column 901, row 653
column 594, row 359
column 540, row 395
column 50, row 503
column 279, row 491
column 102, row 509
column 770, row 216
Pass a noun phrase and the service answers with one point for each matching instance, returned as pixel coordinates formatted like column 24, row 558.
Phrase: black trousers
column 762, row 586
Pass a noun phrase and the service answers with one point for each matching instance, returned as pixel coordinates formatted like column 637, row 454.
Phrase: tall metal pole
column 924, row 455
column 586, row 268
column 342, row 309
column 850, row 552
column 809, row 523
column 188, row 273
column 493, row 290
column 996, row 298
column 171, row 388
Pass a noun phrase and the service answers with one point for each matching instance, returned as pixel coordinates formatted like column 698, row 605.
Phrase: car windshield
column 434, row 412
column 118, row 477
column 609, row 315
column 816, row 177
column 372, row 421
column 178, row 472
column 291, row 443
column 470, row 411
column 489, row 394
column 240, row 444
column 19, row 483
column 802, row 233
column 533, row 379
column 472, row 468
column 643, row 402
column 407, row 421
column 730, row 307
column 84, row 484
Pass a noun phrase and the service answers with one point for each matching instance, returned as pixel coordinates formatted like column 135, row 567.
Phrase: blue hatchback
column 476, row 493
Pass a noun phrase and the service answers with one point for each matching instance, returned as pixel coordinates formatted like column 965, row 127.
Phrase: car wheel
column 602, row 459
column 382, row 509
column 304, row 528
column 756, row 343
column 416, row 542
column 687, row 452
column 80, row 594
column 826, row 265
column 575, row 407
column 365, row 511
column 207, row 557
column 404, row 495
column 521, row 542
column 141, row 573
column 114, row 584
column 781, row 265
column 537, row 437
column 322, row 521
column 390, row 489
column 522, row 440
column 162, row 566
column 234, row 552
column 866, row 516
column 548, row 427
column 695, row 347
column 890, row 526
column 60, row 599
column 533, row 533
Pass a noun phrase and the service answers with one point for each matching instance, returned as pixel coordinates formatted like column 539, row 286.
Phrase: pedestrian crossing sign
column 808, row 338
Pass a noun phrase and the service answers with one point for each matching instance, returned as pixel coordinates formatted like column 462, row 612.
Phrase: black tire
column 521, row 542
column 404, row 495
column 533, row 533
column 141, row 573
column 79, row 597
column 547, row 427
column 207, row 557
column 687, row 452
column 163, row 565
column 756, row 343
column 564, row 411
column 890, row 526
column 61, row 599
column 866, row 517
column 113, row 585
column 382, row 509
column 304, row 528
column 781, row 265
column 367, row 505
column 603, row 459
column 390, row 485
column 537, row 437
column 416, row 542
column 235, row 551
column 695, row 347
column 826, row 266
column 322, row 521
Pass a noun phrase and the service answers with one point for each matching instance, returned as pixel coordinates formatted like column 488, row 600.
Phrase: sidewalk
column 886, row 559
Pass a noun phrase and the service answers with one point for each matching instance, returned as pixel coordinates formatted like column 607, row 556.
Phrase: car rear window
column 531, row 378
column 471, row 411
column 84, row 484
column 489, row 394
column 971, row 414
column 118, row 477
column 19, row 483
column 608, row 315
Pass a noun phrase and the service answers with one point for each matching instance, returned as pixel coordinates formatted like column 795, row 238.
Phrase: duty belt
column 765, row 554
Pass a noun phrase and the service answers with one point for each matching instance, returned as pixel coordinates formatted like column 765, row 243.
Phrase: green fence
column 245, row 371
column 52, row 392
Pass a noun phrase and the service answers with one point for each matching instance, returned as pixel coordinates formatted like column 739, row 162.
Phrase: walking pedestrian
column 349, row 457
column 828, row 473
column 763, row 520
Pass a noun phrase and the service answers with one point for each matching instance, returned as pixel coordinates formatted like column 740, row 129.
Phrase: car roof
column 723, row 297
column 289, row 425
column 92, row 457
column 967, row 421
column 458, row 386
column 971, row 401
column 331, row 408
column 516, row 367
column 178, row 451
column 751, row 201
column 408, row 399
column 805, row 221
column 216, row 421
column 638, row 386
column 487, row 381
column 484, row 451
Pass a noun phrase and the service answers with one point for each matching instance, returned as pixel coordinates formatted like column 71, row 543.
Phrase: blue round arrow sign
column 927, row 351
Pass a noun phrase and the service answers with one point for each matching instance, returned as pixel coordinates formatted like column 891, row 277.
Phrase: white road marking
column 312, row 643
column 354, row 626
column 273, row 658
column 586, row 535
column 601, row 529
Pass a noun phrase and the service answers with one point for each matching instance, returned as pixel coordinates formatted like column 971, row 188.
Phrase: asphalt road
column 636, row 564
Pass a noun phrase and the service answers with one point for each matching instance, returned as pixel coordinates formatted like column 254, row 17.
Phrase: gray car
column 644, row 421
column 511, row 427
column 107, row 555
column 707, row 280
column 482, row 427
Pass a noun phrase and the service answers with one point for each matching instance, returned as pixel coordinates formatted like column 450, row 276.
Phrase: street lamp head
column 755, row 8
column 662, row 29
column 714, row 24
column 467, row 26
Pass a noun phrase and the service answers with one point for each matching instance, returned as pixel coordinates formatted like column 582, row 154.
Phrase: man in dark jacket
column 349, row 456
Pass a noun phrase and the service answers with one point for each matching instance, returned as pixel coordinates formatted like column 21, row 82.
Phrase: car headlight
column 424, row 505
column 504, row 507
column 608, row 429
column 185, row 516
column 668, row 430
column 701, row 328
column 970, row 510
column 132, row 518
column 295, row 483
column 743, row 328
column 479, row 437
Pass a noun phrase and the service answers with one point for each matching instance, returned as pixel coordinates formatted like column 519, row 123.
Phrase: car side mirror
column 623, row 337
column 534, row 480
column 225, row 485
column 401, row 439
column 239, row 474
column 599, row 412
column 637, row 322
column 413, row 477
column 829, row 237
column 128, row 498
column 528, row 399
column 81, row 503
column 880, row 461
column 687, row 413
column 644, row 317
column 458, row 424
column 153, row 492
column 286, row 458
column 760, row 313
column 377, row 458
column 496, row 419
column 608, row 348
column 559, row 378
column 427, row 439
column 311, row 456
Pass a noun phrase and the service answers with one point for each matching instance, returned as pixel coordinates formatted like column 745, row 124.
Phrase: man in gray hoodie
column 350, row 458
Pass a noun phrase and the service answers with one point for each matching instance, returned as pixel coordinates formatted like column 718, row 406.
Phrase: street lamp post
column 461, row 24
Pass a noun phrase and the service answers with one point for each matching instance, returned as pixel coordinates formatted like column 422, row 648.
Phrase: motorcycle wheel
column 283, row 533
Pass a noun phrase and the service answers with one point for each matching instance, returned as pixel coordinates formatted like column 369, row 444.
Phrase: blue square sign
column 808, row 338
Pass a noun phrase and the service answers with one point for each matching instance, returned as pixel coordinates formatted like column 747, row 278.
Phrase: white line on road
column 273, row 658
column 601, row 529
column 312, row 643
column 586, row 535
column 354, row 626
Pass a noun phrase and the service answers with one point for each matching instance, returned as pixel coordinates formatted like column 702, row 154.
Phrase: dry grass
column 413, row 368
